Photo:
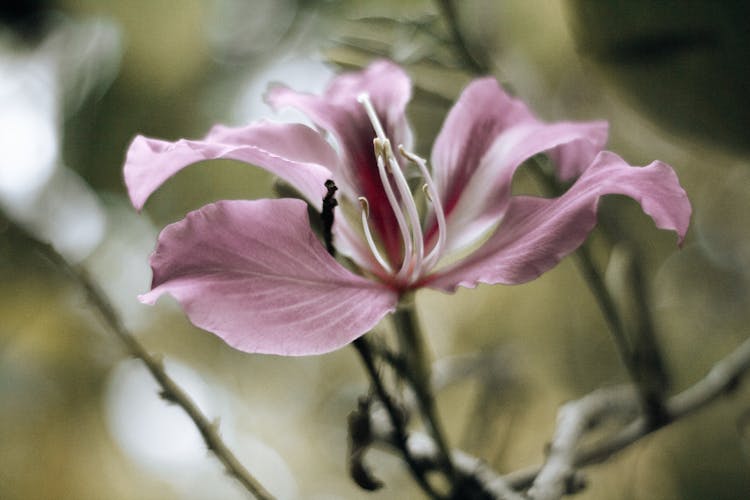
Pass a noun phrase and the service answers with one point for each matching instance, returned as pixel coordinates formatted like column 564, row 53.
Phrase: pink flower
column 254, row 272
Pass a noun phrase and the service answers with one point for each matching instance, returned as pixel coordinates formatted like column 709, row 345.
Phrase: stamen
column 364, row 99
column 411, row 210
column 368, row 235
column 387, row 164
column 432, row 195
column 392, row 200
column 364, row 205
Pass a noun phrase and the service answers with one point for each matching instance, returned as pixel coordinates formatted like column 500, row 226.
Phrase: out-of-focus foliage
column 78, row 421
column 686, row 63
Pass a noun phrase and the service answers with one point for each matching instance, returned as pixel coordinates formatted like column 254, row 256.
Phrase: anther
column 364, row 205
column 382, row 148
column 377, row 145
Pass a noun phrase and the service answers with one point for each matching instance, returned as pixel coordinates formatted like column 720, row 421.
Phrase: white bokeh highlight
column 163, row 442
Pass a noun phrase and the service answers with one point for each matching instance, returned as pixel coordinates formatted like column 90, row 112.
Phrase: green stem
column 413, row 349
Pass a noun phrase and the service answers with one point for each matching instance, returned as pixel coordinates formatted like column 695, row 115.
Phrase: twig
column 365, row 350
column 626, row 283
column 419, row 376
column 427, row 455
column 720, row 380
column 170, row 391
column 574, row 419
column 650, row 396
column 399, row 437
column 459, row 42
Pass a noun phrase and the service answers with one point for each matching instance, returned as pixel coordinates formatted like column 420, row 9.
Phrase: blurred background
column 79, row 78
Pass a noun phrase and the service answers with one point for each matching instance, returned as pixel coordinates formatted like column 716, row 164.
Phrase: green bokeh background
column 671, row 77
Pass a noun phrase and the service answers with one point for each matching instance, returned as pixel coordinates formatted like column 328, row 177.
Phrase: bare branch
column 558, row 475
column 397, row 434
column 426, row 453
column 720, row 381
column 170, row 391
column 448, row 10
column 574, row 419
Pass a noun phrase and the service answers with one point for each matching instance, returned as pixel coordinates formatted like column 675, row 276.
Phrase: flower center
column 415, row 263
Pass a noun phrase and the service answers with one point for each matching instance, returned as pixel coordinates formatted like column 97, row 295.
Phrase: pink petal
column 294, row 152
column 482, row 111
column 486, row 137
column 339, row 112
column 536, row 233
column 253, row 273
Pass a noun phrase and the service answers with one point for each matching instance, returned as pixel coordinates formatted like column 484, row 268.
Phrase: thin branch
column 170, row 391
column 574, row 419
column 419, row 376
column 721, row 380
column 626, row 282
column 399, row 437
column 365, row 350
column 427, row 454
column 448, row 10
column 650, row 396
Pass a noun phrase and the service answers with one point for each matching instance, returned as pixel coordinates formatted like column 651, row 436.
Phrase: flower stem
column 365, row 350
column 413, row 349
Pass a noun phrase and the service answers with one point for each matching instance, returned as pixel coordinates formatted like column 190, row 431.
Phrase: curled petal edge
column 294, row 152
column 536, row 233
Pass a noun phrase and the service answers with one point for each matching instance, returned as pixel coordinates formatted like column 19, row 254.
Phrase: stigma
column 417, row 261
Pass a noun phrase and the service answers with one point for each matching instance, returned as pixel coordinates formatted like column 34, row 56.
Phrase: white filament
column 368, row 235
column 414, row 262
column 364, row 100
column 432, row 196
column 399, row 214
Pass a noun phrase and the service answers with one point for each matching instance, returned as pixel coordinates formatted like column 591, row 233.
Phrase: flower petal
column 482, row 111
column 294, row 152
column 536, row 233
column 253, row 273
column 338, row 109
column 486, row 136
column 340, row 112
